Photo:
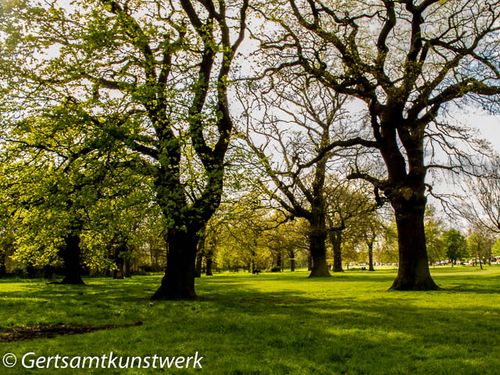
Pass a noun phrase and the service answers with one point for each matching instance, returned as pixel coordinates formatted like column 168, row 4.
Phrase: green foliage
column 480, row 244
column 244, row 234
column 455, row 245
column 388, row 252
column 434, row 232
column 495, row 250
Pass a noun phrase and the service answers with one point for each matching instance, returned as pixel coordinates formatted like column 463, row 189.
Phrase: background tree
column 495, row 249
column 288, row 119
column 479, row 245
column 481, row 205
column 388, row 252
column 406, row 62
column 455, row 245
column 53, row 180
column 434, row 232
column 349, row 207
column 370, row 229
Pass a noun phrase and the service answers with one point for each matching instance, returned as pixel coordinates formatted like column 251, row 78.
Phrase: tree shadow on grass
column 242, row 327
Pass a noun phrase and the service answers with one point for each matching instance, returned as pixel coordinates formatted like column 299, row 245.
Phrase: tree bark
column 119, row 272
column 370, row 255
column 200, row 253
column 209, row 265
column 71, row 255
column 317, row 248
column 279, row 262
column 336, row 240
column 178, row 281
column 198, row 265
column 127, row 267
column 413, row 271
column 3, row 269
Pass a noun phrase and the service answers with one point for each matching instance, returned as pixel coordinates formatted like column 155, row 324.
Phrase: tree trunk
column 71, row 254
column 3, row 269
column 209, row 263
column 200, row 254
column 127, row 267
column 336, row 240
column 370, row 255
column 317, row 247
column 119, row 272
column 198, row 265
column 178, row 281
column 413, row 271
column 279, row 262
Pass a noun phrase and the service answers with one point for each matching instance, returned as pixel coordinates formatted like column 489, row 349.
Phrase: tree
column 154, row 76
column 455, row 245
column 287, row 241
column 370, row 228
column 126, row 231
column 495, row 249
column 479, row 244
column 434, row 231
column 291, row 118
column 235, row 234
column 349, row 207
column 388, row 252
column 52, row 181
column 407, row 62
column 481, row 206
column 7, row 239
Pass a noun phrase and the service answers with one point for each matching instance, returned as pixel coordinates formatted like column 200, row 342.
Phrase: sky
column 488, row 126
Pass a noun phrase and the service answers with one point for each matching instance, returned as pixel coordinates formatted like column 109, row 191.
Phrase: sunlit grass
column 274, row 323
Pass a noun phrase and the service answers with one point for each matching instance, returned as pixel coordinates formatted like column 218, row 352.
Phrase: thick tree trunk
column 178, row 281
column 413, row 272
column 336, row 240
column 279, row 262
column 317, row 248
column 71, row 254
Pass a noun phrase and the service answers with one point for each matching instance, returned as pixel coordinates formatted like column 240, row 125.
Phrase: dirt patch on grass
column 52, row 330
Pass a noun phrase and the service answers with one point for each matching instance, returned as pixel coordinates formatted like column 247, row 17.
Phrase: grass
column 272, row 323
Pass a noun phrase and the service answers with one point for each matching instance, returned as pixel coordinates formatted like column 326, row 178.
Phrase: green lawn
column 272, row 323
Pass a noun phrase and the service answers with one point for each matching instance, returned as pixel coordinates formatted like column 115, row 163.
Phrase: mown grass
column 272, row 323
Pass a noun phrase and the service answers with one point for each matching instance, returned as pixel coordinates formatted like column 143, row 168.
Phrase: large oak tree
column 153, row 75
